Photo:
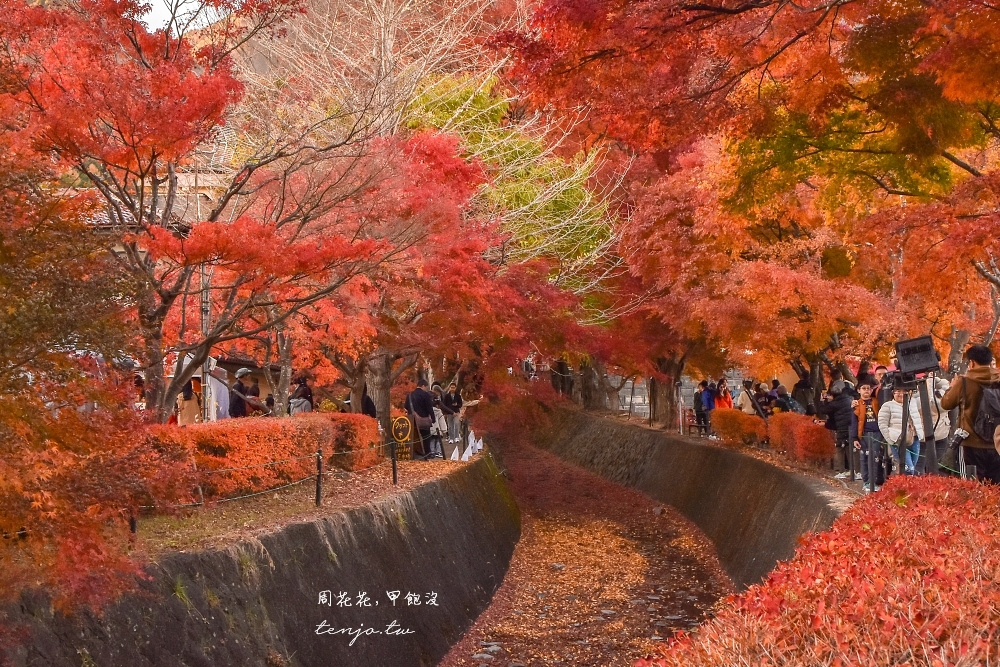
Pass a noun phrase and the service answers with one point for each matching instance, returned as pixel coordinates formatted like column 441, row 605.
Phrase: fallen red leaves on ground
column 600, row 569
column 907, row 576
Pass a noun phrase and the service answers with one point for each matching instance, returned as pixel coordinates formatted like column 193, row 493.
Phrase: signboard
column 401, row 429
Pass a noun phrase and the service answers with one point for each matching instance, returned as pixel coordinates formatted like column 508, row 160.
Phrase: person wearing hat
column 237, row 395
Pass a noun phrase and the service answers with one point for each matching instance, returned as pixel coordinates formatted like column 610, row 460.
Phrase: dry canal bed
column 600, row 575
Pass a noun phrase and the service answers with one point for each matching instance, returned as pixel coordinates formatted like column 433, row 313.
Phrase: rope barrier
column 300, row 458
column 260, row 493
column 276, row 488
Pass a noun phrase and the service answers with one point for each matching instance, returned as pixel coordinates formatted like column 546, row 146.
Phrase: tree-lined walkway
column 599, row 571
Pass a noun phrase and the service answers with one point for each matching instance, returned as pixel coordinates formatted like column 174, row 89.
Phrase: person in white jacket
column 890, row 422
column 940, row 421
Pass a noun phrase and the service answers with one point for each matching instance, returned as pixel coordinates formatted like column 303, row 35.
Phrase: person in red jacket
column 723, row 398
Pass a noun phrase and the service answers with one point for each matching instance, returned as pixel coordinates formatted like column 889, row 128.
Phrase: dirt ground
column 222, row 524
column 600, row 575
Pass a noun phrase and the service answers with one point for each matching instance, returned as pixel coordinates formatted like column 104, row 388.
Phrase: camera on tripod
column 914, row 357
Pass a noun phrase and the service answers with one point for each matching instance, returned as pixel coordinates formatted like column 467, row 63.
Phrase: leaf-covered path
column 599, row 572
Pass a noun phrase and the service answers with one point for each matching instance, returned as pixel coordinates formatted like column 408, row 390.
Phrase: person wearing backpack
column 977, row 396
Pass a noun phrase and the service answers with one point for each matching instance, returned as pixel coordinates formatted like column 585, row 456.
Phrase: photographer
column 838, row 409
column 965, row 393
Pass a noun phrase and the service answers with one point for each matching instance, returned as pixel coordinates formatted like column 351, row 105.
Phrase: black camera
column 900, row 380
column 915, row 356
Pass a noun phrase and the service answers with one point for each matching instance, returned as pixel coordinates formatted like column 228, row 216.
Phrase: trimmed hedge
column 907, row 576
column 795, row 434
column 239, row 456
column 801, row 437
column 735, row 427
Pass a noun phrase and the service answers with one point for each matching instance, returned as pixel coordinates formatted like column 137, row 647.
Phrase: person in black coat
column 839, row 411
column 238, row 394
column 420, row 406
column 452, row 408
column 368, row 405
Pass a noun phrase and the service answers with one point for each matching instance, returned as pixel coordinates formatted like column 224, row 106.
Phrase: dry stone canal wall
column 449, row 542
column 754, row 512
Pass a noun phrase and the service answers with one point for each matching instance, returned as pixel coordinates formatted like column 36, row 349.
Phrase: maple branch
column 889, row 189
column 961, row 163
column 729, row 11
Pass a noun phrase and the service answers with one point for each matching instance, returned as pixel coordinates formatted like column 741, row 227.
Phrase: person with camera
column 837, row 407
column 966, row 393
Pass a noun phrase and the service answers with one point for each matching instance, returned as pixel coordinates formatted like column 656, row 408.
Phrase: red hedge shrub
column 907, row 576
column 735, row 427
column 239, row 449
column 800, row 437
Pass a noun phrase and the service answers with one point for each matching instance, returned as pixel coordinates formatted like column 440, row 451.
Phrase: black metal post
column 392, row 454
column 872, row 467
column 319, row 475
column 849, row 447
column 903, row 443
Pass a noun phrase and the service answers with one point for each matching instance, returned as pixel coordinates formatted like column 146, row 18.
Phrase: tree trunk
column 591, row 393
column 576, row 386
column 279, row 386
column 284, row 374
column 612, row 394
column 153, row 378
column 957, row 342
column 562, row 378
column 378, row 374
column 357, row 384
column 816, row 379
column 666, row 399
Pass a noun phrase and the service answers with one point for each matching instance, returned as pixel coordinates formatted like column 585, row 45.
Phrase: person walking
column 439, row 423
column 420, row 407
column 452, row 402
column 188, row 405
column 965, row 394
column 837, row 407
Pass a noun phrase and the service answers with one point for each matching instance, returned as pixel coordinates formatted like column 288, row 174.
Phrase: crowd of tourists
column 752, row 398
column 437, row 418
column 877, row 415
